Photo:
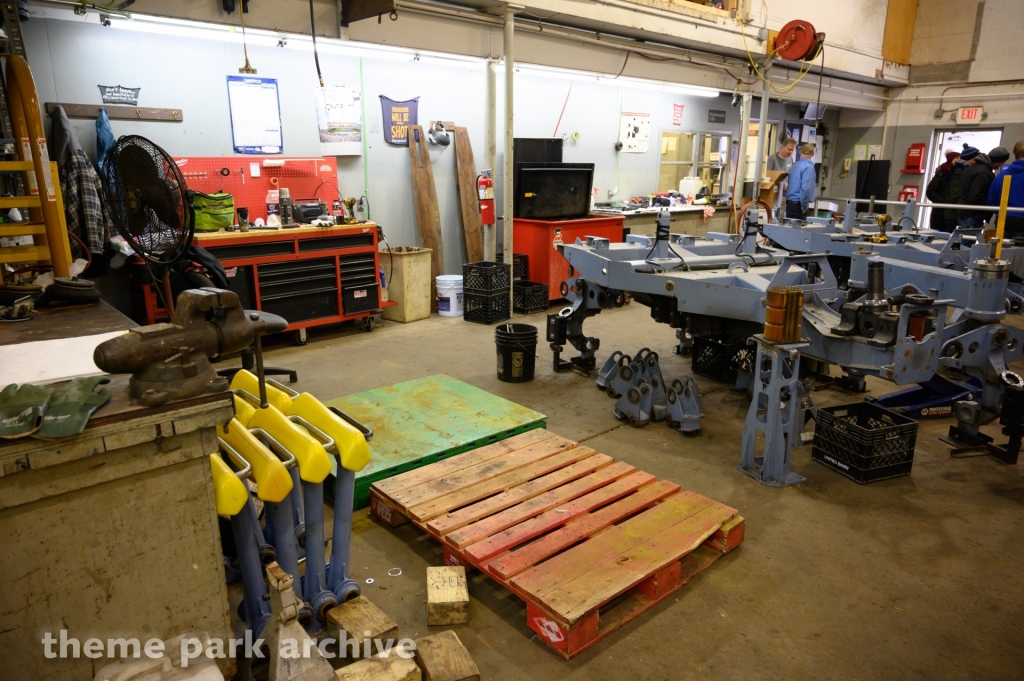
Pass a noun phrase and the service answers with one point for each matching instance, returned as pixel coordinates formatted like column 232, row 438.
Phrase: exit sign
column 967, row 115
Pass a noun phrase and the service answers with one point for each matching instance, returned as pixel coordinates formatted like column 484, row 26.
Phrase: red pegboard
column 305, row 177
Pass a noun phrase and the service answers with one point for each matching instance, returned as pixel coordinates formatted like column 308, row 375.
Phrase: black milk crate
column 520, row 265
column 529, row 297
column 864, row 442
column 486, row 277
column 485, row 308
column 721, row 356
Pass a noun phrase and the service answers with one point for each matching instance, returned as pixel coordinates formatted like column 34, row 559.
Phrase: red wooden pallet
column 588, row 542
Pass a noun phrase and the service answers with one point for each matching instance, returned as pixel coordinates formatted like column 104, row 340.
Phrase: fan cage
column 148, row 200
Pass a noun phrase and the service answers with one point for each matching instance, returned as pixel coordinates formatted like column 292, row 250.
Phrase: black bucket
column 517, row 352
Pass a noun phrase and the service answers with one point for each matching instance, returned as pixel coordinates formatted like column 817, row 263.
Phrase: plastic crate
column 720, row 357
column 520, row 265
column 529, row 297
column 486, row 277
column 485, row 308
column 864, row 442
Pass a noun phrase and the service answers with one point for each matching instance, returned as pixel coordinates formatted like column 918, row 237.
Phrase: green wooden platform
column 418, row 422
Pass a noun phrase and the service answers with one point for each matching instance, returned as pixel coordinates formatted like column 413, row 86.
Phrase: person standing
column 960, row 165
column 937, row 191
column 974, row 186
column 782, row 160
column 1014, row 171
column 802, row 181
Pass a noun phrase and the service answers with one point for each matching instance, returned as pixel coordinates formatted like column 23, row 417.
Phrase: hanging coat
column 84, row 210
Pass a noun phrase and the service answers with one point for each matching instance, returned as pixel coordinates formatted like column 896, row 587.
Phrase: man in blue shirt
column 800, row 192
column 1015, row 172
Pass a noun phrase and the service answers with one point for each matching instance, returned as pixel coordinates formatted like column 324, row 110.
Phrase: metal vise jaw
column 635, row 405
column 684, row 412
column 171, row 361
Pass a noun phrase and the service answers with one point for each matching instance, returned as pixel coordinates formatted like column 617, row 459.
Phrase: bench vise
column 172, row 361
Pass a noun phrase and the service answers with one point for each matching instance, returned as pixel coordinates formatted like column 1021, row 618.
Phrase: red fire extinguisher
column 485, row 188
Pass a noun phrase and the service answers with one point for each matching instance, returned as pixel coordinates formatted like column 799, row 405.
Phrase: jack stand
column 855, row 383
column 287, row 641
column 776, row 371
column 578, row 364
column 1011, row 417
column 338, row 580
column 684, row 412
column 635, row 405
column 965, row 437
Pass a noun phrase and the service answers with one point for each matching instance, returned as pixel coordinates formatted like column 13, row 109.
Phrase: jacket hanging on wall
column 84, row 210
column 104, row 138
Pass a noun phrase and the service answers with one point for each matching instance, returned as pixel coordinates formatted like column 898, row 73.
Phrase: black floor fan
column 150, row 205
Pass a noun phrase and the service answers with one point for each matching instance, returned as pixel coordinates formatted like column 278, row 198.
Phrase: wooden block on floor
column 442, row 657
column 390, row 668
column 359, row 619
column 447, row 595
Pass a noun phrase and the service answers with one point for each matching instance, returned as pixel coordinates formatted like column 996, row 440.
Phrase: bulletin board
column 248, row 179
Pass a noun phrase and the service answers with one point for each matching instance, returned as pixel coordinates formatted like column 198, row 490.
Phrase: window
column 705, row 155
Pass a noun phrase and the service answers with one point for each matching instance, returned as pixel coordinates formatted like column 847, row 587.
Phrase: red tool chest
column 536, row 238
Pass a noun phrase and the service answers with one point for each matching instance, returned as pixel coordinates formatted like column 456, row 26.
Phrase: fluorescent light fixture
column 185, row 28
column 255, row 37
column 623, row 81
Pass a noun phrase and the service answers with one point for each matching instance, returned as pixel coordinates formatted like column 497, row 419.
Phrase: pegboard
column 305, row 177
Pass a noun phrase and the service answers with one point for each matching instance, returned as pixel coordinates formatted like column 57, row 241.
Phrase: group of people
column 967, row 178
column 798, row 190
column 971, row 178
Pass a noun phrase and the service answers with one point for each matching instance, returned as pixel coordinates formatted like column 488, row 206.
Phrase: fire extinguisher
column 485, row 188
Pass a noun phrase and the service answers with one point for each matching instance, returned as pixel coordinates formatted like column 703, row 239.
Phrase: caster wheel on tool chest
column 301, row 337
column 368, row 324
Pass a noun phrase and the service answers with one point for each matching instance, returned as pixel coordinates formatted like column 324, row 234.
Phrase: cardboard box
column 771, row 185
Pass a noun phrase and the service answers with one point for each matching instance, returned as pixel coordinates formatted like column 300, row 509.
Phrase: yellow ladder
column 39, row 251
column 39, row 175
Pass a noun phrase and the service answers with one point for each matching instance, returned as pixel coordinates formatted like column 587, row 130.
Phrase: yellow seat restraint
column 247, row 381
column 273, row 483
column 228, row 490
column 353, row 450
column 314, row 462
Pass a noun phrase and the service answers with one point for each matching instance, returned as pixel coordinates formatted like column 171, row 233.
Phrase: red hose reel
column 798, row 41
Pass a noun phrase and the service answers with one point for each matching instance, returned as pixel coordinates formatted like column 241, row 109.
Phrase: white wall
column 1000, row 53
column 854, row 28
column 69, row 59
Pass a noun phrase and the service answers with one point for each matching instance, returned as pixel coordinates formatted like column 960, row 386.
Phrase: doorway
column 954, row 140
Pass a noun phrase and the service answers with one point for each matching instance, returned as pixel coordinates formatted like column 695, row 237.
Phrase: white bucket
column 449, row 295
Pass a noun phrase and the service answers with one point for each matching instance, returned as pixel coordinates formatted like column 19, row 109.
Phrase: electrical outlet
column 847, row 163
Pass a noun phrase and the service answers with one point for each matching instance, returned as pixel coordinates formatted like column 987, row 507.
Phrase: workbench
column 685, row 220
column 113, row 532
column 309, row 275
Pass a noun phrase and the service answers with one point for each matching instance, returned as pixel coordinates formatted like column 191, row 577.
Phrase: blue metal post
column 338, row 580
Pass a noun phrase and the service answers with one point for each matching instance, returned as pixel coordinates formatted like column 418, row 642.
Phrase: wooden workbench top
column 303, row 232
column 51, row 323
column 119, row 423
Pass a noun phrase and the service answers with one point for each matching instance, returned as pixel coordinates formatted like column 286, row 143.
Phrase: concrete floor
column 917, row 577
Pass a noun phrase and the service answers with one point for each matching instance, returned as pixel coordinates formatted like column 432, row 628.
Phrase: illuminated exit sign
column 967, row 115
